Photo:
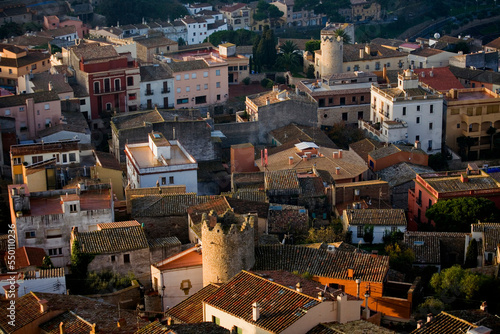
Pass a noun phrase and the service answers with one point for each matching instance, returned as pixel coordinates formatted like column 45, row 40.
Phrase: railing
column 149, row 92
column 165, row 90
column 109, row 90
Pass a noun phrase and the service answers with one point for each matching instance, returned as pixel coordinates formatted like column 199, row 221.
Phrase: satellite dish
column 437, row 36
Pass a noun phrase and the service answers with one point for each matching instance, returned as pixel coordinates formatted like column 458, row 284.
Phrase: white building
column 40, row 280
column 406, row 113
column 181, row 275
column 195, row 8
column 157, row 87
column 384, row 221
column 196, row 29
column 160, row 162
column 429, row 58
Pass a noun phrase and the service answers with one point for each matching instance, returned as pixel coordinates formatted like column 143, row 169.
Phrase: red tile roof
column 280, row 306
column 319, row 262
column 219, row 205
column 188, row 258
column 28, row 256
column 73, row 324
column 190, row 310
column 27, row 311
column 442, row 79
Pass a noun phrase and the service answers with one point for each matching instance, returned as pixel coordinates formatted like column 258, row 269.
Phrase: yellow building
column 108, row 169
column 238, row 68
column 471, row 112
column 15, row 62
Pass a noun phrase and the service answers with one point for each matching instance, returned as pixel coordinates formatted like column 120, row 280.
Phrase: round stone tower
column 331, row 52
column 228, row 246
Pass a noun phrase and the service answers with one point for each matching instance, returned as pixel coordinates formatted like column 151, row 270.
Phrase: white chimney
column 420, row 323
column 255, row 311
column 298, row 287
column 430, row 317
column 321, row 296
column 268, row 101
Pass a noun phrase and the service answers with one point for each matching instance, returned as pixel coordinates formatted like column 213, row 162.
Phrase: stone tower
column 228, row 246
column 331, row 52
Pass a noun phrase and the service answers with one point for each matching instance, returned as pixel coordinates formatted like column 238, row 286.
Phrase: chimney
column 340, row 154
column 384, row 72
column 298, row 287
column 356, row 195
column 417, row 144
column 44, row 305
column 290, row 160
column 430, row 317
column 121, row 322
column 358, row 286
column 484, row 307
column 361, row 53
column 268, row 101
column 367, row 49
column 420, row 323
column 93, row 329
column 336, row 155
column 305, row 157
column 255, row 311
column 276, row 88
column 431, row 73
column 169, row 321
column 61, row 328
column 464, row 178
column 337, row 170
column 321, row 296
column 366, row 312
column 51, row 86
column 350, row 273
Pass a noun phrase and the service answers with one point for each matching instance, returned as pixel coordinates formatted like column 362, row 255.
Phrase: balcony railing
column 165, row 90
column 109, row 90
column 149, row 92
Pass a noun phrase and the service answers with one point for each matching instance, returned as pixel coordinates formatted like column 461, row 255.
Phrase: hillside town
column 284, row 166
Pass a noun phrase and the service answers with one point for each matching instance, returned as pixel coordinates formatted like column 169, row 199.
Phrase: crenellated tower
column 331, row 52
column 228, row 246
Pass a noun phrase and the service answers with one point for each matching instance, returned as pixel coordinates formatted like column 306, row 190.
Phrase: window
column 7, row 112
column 237, row 330
column 186, row 76
column 360, row 115
column 404, row 111
column 171, row 180
column 205, row 86
column 360, row 231
column 163, row 180
column 10, row 71
column 55, row 251
column 188, row 89
column 458, row 125
column 38, row 112
column 394, row 229
column 354, row 99
column 215, row 320
column 21, row 108
column 126, row 258
column 178, row 90
column 217, row 72
column 30, row 234
column 65, row 158
column 198, row 87
column 418, row 108
column 82, row 102
column 367, row 67
column 432, row 108
column 96, row 87
column 344, row 116
column 429, row 148
column 113, row 258
column 17, row 161
column 73, row 208
column 47, row 106
column 130, row 81
column 117, row 84
column 132, row 96
column 56, row 233
column 217, row 84
column 72, row 157
column 342, row 101
column 218, row 97
column 417, row 137
column 178, row 77
column 37, row 158
column 193, row 76
column 348, row 68
column 418, row 120
column 33, row 67
column 205, row 74
column 182, row 101
column 430, row 126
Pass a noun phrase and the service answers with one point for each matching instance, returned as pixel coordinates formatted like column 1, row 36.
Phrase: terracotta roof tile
column 27, row 311
column 401, row 173
column 107, row 160
column 112, row 240
column 44, row 273
column 453, row 322
column 190, row 310
column 352, row 327
column 28, row 256
column 20, row 100
column 494, row 43
column 242, row 206
column 282, row 181
column 377, row 217
column 164, row 242
column 442, row 79
column 219, row 205
column 452, row 183
column 293, row 131
column 280, row 306
column 73, row 324
column 282, row 218
column 365, row 146
column 248, row 195
column 319, row 262
column 166, row 205
column 260, row 99
column 491, row 235
column 128, row 223
column 351, row 52
column 65, row 146
column 426, row 245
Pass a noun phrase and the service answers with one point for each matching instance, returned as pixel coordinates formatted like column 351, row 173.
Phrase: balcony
column 165, row 90
column 149, row 92
column 109, row 91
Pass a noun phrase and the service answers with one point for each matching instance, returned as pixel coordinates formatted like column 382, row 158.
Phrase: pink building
column 53, row 22
column 32, row 112
column 200, row 81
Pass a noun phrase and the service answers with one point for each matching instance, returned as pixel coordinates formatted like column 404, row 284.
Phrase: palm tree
column 344, row 35
column 465, row 143
column 288, row 60
column 289, row 47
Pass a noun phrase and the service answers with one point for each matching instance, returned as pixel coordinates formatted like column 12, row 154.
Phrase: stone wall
column 128, row 298
column 160, row 227
column 331, row 116
column 239, row 133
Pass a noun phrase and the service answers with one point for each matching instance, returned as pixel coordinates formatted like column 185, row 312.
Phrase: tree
column 181, row 41
column 79, row 260
column 264, row 49
column 368, row 233
column 288, row 61
column 438, row 162
column 10, row 29
column 238, row 37
column 267, row 11
column 47, row 262
column 310, row 72
column 329, row 234
column 313, row 45
column 345, row 37
column 491, row 132
column 400, row 259
column 464, row 144
column 457, row 283
column 456, row 215
column 471, row 255
column 289, row 47
column 343, row 135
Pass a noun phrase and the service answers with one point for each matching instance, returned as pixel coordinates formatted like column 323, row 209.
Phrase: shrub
column 246, row 81
column 280, row 80
column 265, row 82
